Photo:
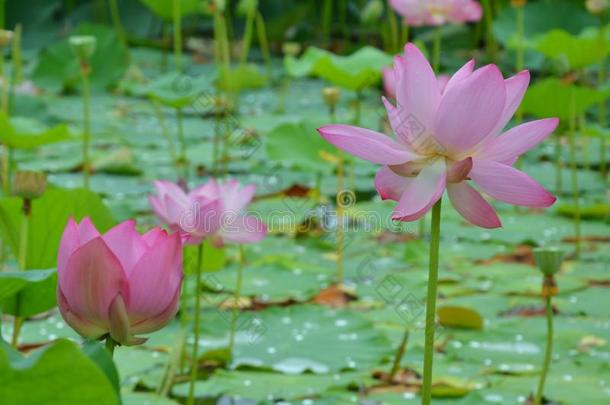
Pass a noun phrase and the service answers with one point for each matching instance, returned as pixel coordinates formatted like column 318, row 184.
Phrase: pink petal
column 389, row 185
column 160, row 320
column 422, row 192
column 366, row 144
column 118, row 320
column 472, row 206
column 243, row 229
column 464, row 72
column 510, row 185
column 155, row 278
column 236, row 198
column 126, row 244
column 459, row 171
column 470, row 109
column 507, row 147
column 83, row 327
column 515, row 89
column 153, row 236
column 91, row 279
column 443, row 80
column 417, row 89
column 207, row 191
column 389, row 82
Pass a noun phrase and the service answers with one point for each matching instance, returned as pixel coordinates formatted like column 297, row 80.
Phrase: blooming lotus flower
column 446, row 138
column 437, row 12
column 120, row 283
column 213, row 211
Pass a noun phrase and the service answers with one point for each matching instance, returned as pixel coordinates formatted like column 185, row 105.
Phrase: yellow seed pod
column 29, row 184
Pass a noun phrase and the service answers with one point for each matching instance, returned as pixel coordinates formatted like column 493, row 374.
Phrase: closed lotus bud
column 331, row 95
column 549, row 259
column 29, row 184
column 291, row 48
column 372, row 11
column 6, row 37
column 83, row 46
column 597, row 6
column 121, row 283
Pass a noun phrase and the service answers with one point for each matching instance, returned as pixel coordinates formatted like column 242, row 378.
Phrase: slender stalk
column 340, row 216
column 22, row 261
column 16, row 56
column 358, row 107
column 177, row 35
column 165, row 132
column 236, row 299
column 261, row 31
column 399, row 354
column 196, row 327
column 548, row 353
column 431, row 303
column 182, row 158
column 520, row 51
column 327, row 14
column 404, row 33
column 436, row 49
column 558, row 166
column 6, row 158
column 85, row 72
column 490, row 41
column 247, row 38
column 342, row 15
column 573, row 168
column 601, row 108
column 394, row 39
column 110, row 345
column 118, row 26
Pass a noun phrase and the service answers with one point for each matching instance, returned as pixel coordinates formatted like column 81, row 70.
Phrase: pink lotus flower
column 213, row 211
column 445, row 138
column 437, row 12
column 121, row 283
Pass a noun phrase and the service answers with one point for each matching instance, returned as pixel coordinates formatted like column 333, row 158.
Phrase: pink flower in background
column 447, row 137
column 389, row 80
column 213, row 211
column 437, row 12
column 121, row 283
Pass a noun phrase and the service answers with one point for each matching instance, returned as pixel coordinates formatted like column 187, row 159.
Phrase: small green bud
column 291, row 48
column 549, row 259
column 247, row 7
column 331, row 95
column 372, row 11
column 29, row 185
column 83, row 46
column 597, row 6
column 6, row 38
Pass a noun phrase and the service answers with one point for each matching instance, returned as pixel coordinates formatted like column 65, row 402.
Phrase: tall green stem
column 431, row 302
column 327, row 15
column 399, row 354
column 165, row 132
column 358, row 107
column 601, row 108
column 436, row 49
column 182, row 158
column 340, row 214
column 85, row 71
column 16, row 56
column 236, row 299
column 110, row 345
column 118, row 26
column 247, row 38
column 490, row 41
column 177, row 35
column 548, row 353
column 558, row 166
column 196, row 327
column 394, row 39
column 261, row 31
column 519, row 63
column 22, row 261
column 573, row 168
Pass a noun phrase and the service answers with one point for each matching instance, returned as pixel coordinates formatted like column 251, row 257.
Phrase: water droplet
column 271, row 350
column 286, row 320
column 247, row 383
column 340, row 323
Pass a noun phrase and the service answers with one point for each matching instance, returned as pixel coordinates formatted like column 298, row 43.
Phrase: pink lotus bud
column 212, row 211
column 120, row 283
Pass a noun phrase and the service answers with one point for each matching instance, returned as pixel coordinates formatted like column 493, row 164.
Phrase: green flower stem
column 16, row 56
column 118, row 26
column 394, row 39
column 261, row 31
column 110, row 345
column 85, row 72
column 236, row 298
column 22, row 261
column 399, row 354
column 358, row 107
column 247, row 38
column 436, row 49
column 327, row 16
column 340, row 214
column 558, row 166
column 431, row 303
column 196, row 327
column 6, row 158
column 520, row 51
column 165, row 132
column 490, row 41
column 573, row 169
column 548, row 352
column 177, row 35
column 601, row 108
column 404, row 34
column 182, row 158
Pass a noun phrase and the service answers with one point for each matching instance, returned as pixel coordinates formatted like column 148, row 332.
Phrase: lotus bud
column 372, row 11
column 291, row 48
column 331, row 96
column 549, row 259
column 6, row 38
column 597, row 6
column 120, row 284
column 83, row 46
column 29, row 184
